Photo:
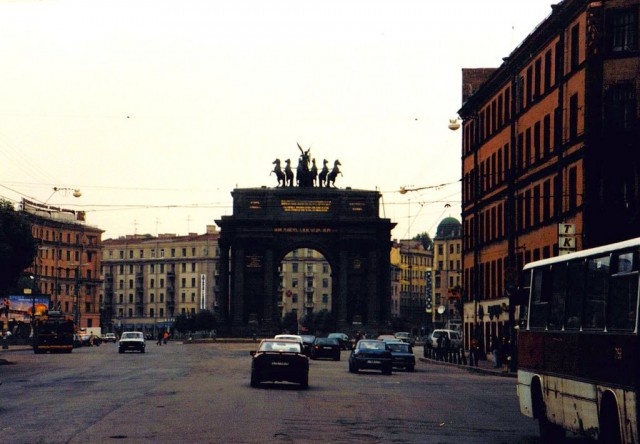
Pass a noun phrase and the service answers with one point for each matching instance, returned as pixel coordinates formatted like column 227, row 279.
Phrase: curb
column 484, row 371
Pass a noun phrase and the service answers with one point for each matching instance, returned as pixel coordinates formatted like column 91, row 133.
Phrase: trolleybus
column 578, row 349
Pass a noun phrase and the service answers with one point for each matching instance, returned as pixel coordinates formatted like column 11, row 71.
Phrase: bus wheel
column 549, row 432
column 609, row 422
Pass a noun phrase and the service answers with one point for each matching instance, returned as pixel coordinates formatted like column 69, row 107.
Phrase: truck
column 53, row 332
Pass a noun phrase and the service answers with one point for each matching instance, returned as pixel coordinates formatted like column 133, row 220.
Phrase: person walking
column 473, row 353
column 165, row 337
column 495, row 351
column 159, row 338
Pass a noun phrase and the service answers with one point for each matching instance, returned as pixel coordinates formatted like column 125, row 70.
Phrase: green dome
column 449, row 228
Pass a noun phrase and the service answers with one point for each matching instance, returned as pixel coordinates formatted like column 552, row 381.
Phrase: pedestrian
column 446, row 344
column 165, row 336
column 473, row 353
column 439, row 348
column 505, row 354
column 159, row 338
column 495, row 351
column 91, row 339
column 7, row 307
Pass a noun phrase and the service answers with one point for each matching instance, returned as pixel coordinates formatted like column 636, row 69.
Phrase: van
column 454, row 338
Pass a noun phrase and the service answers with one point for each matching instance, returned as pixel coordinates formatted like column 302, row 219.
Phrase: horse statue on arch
column 288, row 173
column 322, row 176
column 331, row 177
column 279, row 174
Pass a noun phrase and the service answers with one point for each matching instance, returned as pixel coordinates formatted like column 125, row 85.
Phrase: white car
column 131, row 340
column 288, row 337
column 109, row 337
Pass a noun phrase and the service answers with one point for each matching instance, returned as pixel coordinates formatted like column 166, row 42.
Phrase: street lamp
column 75, row 192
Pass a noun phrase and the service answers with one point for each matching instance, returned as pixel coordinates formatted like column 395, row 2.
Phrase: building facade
column 446, row 281
column 305, row 283
column 549, row 152
column 415, row 261
column 148, row 280
column 67, row 264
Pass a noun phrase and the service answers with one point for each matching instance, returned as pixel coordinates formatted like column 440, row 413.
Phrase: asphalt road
column 200, row 393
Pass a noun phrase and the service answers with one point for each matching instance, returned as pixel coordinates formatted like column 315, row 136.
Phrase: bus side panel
column 524, row 392
column 580, row 407
column 530, row 350
column 609, row 358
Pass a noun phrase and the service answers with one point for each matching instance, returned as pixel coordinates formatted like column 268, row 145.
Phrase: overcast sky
column 157, row 109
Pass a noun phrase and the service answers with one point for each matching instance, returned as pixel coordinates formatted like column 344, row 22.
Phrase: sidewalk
column 485, row 366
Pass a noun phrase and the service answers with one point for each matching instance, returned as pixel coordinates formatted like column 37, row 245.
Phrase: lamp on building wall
column 454, row 124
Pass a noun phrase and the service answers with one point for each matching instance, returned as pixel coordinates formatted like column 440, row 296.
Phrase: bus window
column 558, row 285
column 596, row 292
column 623, row 295
column 539, row 306
column 575, row 294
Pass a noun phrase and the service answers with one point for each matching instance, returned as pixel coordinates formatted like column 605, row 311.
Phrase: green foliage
column 290, row 322
column 426, row 240
column 17, row 246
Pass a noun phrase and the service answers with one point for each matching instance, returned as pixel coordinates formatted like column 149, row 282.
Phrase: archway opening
column 305, row 292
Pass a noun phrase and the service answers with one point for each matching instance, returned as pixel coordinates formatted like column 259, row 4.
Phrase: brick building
column 67, row 264
column 549, row 151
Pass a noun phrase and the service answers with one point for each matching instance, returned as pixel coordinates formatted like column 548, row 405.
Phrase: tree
column 427, row 243
column 290, row 322
column 17, row 246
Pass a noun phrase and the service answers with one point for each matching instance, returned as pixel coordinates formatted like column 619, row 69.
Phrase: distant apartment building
column 415, row 261
column 549, row 152
column 305, row 283
column 67, row 264
column 148, row 280
column 446, row 277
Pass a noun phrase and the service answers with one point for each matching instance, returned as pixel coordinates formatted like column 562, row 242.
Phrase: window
column 597, row 289
column 623, row 295
column 623, row 30
column 621, row 106
column 575, row 47
column 573, row 116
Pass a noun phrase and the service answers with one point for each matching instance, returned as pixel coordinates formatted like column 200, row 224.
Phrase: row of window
column 596, row 293
column 161, row 252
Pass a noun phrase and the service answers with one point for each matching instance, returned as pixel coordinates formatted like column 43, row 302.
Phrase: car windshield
column 372, row 345
column 280, row 346
column 327, row 341
column 398, row 347
column 130, row 335
column 454, row 335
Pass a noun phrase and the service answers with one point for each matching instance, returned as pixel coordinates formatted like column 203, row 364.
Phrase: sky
column 157, row 109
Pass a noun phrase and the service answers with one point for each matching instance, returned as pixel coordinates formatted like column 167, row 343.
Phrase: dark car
column 342, row 338
column 370, row 354
column 307, row 343
column 279, row 360
column 402, row 355
column 326, row 348
column 131, row 340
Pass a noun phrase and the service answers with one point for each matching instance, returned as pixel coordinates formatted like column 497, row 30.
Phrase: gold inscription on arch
column 305, row 206
column 297, row 230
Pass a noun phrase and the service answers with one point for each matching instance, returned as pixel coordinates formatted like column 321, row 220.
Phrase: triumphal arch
column 342, row 224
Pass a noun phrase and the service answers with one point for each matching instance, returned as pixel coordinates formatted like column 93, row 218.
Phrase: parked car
column 307, row 343
column 343, row 339
column 131, row 340
column 405, row 336
column 402, row 355
column 279, row 360
column 85, row 339
column 370, row 354
column 326, row 348
column 386, row 338
column 109, row 337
